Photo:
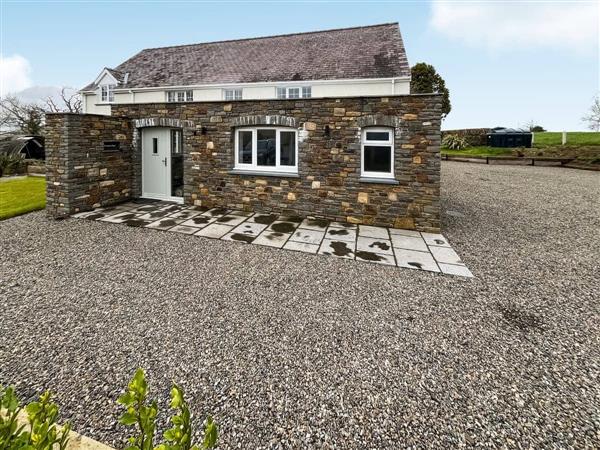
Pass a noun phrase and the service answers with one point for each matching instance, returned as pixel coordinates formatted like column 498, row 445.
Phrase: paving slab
column 455, row 269
column 301, row 246
column 409, row 242
column 339, row 249
column 374, row 245
column 435, row 239
column 308, row 236
column 412, row 259
column 199, row 221
column 183, row 229
column 164, row 224
column 272, row 239
column 315, row 224
column 250, row 228
column 371, row 231
column 377, row 258
column 341, row 234
column 214, row 230
column 445, row 255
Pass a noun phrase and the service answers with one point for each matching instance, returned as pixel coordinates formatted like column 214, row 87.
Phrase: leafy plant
column 426, row 80
column 454, row 142
column 42, row 433
column 142, row 414
column 10, row 164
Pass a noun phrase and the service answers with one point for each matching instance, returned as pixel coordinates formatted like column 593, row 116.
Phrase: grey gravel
column 292, row 350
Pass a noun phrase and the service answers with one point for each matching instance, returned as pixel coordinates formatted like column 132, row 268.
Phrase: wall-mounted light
column 327, row 130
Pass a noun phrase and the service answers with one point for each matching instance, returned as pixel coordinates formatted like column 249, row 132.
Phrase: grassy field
column 549, row 138
column 21, row 195
column 479, row 151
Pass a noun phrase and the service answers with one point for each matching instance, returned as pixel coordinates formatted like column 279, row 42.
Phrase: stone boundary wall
column 80, row 173
column 328, row 184
column 474, row 136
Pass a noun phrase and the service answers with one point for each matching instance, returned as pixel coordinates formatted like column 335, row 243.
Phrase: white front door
column 156, row 163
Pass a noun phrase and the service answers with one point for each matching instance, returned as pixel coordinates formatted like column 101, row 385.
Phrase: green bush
column 42, row 433
column 454, row 142
column 141, row 414
column 12, row 164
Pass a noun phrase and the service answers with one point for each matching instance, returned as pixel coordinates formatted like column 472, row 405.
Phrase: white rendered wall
column 356, row 88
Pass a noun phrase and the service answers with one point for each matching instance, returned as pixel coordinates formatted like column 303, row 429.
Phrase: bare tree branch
column 593, row 118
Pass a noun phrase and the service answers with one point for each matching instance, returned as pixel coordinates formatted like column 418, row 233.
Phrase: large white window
column 377, row 153
column 180, row 96
column 232, row 94
column 107, row 93
column 294, row 92
column 266, row 149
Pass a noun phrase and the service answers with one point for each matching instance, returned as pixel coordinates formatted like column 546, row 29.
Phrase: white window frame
column 181, row 96
column 254, row 167
column 107, row 96
column 302, row 90
column 232, row 94
column 388, row 143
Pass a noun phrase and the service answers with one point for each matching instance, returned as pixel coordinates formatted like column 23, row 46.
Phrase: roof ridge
column 275, row 36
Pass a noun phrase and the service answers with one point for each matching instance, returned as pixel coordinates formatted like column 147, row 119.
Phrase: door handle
column 165, row 161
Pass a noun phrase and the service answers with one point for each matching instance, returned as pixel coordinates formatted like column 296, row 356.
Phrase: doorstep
column 380, row 245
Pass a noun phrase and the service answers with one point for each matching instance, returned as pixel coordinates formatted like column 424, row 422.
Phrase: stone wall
column 474, row 136
column 81, row 174
column 328, row 184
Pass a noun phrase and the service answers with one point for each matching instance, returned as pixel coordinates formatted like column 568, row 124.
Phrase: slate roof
column 375, row 51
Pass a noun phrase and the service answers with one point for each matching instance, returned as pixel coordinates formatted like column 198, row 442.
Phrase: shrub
column 141, row 414
column 454, row 142
column 12, row 164
column 42, row 433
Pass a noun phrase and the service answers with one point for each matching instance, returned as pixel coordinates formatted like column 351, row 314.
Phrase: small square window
column 294, row 93
column 232, row 94
column 377, row 153
column 281, row 93
column 306, row 92
column 189, row 96
column 180, row 96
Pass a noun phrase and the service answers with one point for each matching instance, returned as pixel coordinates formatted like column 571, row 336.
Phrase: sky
column 506, row 63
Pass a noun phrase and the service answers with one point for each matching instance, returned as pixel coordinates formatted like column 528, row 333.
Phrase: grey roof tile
column 375, row 51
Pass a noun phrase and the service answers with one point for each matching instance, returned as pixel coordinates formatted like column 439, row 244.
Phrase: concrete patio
column 381, row 245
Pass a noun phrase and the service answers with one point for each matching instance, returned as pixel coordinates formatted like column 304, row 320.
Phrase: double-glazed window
column 232, row 94
column 107, row 94
column 294, row 92
column 180, row 96
column 377, row 152
column 271, row 149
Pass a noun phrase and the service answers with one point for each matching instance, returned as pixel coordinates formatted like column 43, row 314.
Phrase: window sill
column 263, row 173
column 378, row 180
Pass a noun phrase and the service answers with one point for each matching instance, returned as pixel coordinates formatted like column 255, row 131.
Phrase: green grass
column 21, row 195
column 548, row 138
column 478, row 151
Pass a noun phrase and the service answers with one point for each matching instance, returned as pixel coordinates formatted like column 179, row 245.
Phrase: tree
column 593, row 118
column 28, row 118
column 70, row 103
column 531, row 126
column 426, row 80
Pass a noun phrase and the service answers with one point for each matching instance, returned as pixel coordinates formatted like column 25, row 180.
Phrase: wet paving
column 402, row 248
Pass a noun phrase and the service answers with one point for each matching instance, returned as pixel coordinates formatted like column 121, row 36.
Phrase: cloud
column 14, row 74
column 517, row 25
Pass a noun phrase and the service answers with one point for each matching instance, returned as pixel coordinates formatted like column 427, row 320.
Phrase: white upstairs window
column 180, row 96
column 232, row 94
column 294, row 92
column 107, row 94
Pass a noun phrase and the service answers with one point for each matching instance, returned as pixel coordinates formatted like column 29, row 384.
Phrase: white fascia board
column 103, row 74
column 265, row 83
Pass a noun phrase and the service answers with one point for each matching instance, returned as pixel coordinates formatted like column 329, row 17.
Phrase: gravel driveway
column 290, row 350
